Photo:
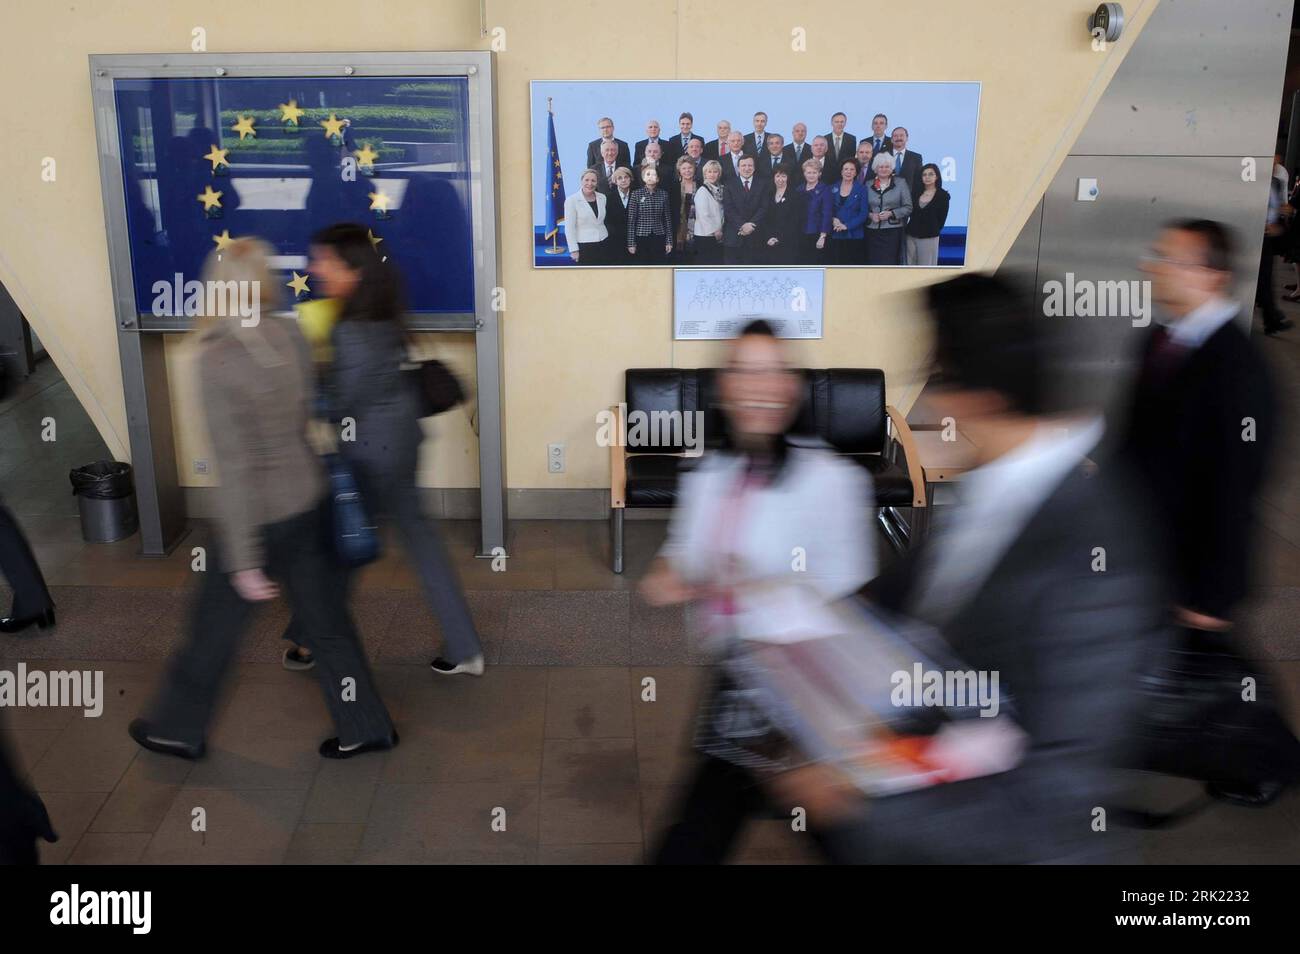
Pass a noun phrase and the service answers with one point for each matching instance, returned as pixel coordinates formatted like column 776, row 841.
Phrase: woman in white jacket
column 584, row 222
column 708, row 215
column 768, row 516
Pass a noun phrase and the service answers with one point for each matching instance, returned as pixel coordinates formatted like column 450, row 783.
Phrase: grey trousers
column 391, row 495
column 923, row 251
column 296, row 558
column 396, row 497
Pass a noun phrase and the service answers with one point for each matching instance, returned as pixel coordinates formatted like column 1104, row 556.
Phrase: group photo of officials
column 755, row 197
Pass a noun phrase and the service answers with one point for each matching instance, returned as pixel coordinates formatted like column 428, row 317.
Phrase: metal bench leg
column 616, row 525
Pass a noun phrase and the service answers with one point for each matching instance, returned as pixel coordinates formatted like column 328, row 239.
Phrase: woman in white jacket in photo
column 584, row 222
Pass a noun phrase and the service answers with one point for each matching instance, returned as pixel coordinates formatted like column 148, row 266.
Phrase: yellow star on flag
column 244, row 127
column 217, row 157
column 209, row 198
column 224, row 241
column 366, row 156
column 290, row 113
column 379, row 201
column 333, row 126
column 374, row 239
column 299, row 284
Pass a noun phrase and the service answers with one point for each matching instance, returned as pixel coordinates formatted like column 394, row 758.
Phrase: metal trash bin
column 105, row 495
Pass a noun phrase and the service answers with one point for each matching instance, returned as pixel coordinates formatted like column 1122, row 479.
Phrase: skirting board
column 461, row 503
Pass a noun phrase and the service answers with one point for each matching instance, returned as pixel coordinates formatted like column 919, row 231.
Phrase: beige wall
column 564, row 349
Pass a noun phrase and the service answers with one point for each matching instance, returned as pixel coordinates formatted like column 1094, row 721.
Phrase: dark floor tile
column 588, row 702
column 567, row 628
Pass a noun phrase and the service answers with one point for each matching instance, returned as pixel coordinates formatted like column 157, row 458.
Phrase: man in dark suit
column 907, row 164
column 1009, row 580
column 676, row 147
column 32, row 602
column 717, row 148
column 773, row 155
column 654, row 151
column 1201, row 430
column 23, row 817
column 864, row 155
column 830, row 170
column 606, row 165
column 744, row 204
column 732, row 157
column 652, row 135
column 880, row 138
column 799, row 150
column 1200, row 377
column 695, row 153
column 754, row 141
column 594, row 151
column 839, row 144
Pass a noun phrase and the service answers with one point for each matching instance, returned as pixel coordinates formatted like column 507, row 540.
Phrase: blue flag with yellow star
column 555, row 202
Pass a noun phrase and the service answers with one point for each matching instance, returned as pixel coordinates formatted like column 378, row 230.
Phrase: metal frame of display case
column 140, row 336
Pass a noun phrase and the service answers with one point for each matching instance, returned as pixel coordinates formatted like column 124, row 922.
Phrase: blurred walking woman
column 929, row 213
column 708, row 215
column 740, row 515
column 256, row 385
column 584, row 222
column 817, row 220
column 369, row 386
column 889, row 202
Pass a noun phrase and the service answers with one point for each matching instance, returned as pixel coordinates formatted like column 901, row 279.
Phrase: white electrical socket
column 555, row 458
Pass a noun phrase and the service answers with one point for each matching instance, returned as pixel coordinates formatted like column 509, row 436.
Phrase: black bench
column 845, row 407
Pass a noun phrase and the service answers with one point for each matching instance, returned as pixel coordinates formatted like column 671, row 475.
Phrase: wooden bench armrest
column 902, row 434
column 618, row 460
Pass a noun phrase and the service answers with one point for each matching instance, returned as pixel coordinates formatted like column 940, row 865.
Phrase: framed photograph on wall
column 749, row 174
column 715, row 303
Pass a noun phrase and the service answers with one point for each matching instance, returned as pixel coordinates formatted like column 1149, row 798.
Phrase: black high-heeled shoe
column 330, row 747
column 12, row 624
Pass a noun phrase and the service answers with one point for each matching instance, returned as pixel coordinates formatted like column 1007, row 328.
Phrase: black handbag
column 438, row 389
column 1195, row 720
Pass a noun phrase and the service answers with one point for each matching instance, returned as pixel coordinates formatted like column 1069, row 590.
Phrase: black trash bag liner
column 102, row 480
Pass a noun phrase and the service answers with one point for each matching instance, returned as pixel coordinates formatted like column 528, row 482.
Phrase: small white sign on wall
column 714, row 303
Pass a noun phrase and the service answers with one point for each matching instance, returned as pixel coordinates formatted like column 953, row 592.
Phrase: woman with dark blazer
column 815, row 239
column 848, row 215
column 782, row 226
column 889, row 204
column 929, row 213
column 369, row 387
column 649, row 221
column 618, row 198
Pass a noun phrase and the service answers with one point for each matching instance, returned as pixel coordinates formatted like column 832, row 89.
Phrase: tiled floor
column 571, row 749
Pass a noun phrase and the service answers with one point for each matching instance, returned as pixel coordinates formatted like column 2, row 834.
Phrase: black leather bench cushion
column 652, row 480
column 893, row 487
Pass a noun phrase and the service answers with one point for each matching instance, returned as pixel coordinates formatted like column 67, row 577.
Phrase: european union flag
column 555, row 202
